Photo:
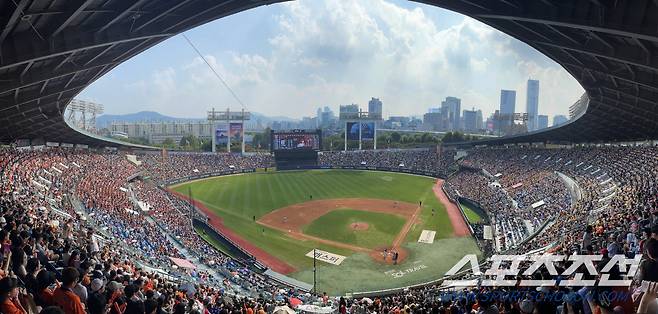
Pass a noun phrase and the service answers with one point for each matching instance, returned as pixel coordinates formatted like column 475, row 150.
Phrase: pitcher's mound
column 359, row 226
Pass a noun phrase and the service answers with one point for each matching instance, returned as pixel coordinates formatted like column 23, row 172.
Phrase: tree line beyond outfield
column 261, row 141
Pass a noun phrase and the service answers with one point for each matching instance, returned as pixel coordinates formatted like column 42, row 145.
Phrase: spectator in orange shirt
column 9, row 302
column 45, row 283
column 64, row 296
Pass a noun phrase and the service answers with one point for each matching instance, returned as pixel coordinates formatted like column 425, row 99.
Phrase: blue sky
column 290, row 58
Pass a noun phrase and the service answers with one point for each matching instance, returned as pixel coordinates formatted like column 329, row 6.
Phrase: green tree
column 395, row 137
column 426, row 138
column 190, row 142
column 206, row 146
column 169, row 143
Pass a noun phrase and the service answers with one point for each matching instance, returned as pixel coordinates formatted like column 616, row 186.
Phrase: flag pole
column 315, row 290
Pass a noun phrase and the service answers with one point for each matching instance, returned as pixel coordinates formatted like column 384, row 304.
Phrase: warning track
column 459, row 226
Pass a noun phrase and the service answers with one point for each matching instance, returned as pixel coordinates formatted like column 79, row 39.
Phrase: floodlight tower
column 83, row 113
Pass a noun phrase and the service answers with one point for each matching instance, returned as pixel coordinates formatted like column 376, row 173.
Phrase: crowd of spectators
column 83, row 232
column 176, row 165
column 617, row 187
column 105, row 256
column 431, row 160
column 519, row 197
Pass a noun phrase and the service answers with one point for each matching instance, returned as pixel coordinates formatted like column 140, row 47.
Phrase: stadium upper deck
column 51, row 50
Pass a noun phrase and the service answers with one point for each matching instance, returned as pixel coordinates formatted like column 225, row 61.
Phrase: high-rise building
column 375, row 105
column 327, row 117
column 349, row 108
column 507, row 101
column 434, row 110
column 479, row 123
column 432, row 121
column 507, row 107
column 542, row 121
column 532, row 104
column 559, row 119
column 451, row 107
column 470, row 120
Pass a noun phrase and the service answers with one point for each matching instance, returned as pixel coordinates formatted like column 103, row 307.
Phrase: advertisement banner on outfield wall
column 235, row 132
column 368, row 131
column 221, row 136
column 352, row 131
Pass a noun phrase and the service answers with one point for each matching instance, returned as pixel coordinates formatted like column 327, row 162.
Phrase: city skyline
column 288, row 59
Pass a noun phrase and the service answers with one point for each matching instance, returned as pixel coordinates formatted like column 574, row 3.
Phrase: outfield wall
column 233, row 172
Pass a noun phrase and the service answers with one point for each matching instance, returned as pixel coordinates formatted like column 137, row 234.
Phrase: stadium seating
column 93, row 215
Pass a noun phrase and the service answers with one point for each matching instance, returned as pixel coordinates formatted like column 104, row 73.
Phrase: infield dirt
column 292, row 219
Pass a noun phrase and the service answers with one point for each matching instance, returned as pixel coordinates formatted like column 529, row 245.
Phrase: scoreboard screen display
column 295, row 140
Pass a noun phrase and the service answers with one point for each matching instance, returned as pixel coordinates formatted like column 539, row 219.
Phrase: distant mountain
column 255, row 116
column 105, row 120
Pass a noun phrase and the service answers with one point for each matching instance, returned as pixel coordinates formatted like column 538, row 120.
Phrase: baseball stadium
column 361, row 215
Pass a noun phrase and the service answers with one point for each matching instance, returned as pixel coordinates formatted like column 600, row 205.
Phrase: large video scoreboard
column 296, row 140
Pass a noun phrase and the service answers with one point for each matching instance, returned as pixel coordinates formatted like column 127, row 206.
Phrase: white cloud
column 337, row 52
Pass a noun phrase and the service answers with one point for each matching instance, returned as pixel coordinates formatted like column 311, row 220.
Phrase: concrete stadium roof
column 50, row 50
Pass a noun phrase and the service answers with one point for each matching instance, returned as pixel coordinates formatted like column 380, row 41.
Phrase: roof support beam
column 27, row 67
column 592, row 52
column 65, row 60
column 613, row 76
column 73, row 76
column 53, row 91
column 654, row 102
column 647, row 53
column 44, row 51
column 531, row 30
column 511, row 4
column 13, row 19
column 100, row 54
column 36, row 77
column 196, row 16
column 132, row 50
column 646, row 114
column 124, row 11
column 584, row 27
column 43, row 86
column 601, row 40
column 471, row 3
column 562, row 34
column 161, row 14
column 73, row 12
column 599, row 62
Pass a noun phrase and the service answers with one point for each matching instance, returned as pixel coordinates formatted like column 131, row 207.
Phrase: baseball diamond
column 366, row 216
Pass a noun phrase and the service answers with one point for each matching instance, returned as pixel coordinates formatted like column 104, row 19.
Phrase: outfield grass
column 335, row 225
column 472, row 216
column 260, row 193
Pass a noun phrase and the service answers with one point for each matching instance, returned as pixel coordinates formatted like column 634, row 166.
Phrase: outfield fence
column 233, row 172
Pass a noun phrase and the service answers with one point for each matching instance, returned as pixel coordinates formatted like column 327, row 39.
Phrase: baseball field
column 353, row 216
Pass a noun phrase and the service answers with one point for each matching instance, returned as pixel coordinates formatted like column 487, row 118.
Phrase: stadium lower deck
column 67, row 211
